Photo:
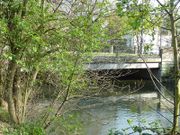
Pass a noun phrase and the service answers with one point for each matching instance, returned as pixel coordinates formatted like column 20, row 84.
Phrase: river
column 113, row 112
column 101, row 114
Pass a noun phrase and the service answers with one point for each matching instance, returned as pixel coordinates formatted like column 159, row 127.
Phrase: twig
column 152, row 78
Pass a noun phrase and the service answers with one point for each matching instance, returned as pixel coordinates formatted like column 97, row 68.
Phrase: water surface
column 102, row 114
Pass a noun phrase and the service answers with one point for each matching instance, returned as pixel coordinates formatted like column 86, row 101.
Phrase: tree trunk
column 9, row 88
column 138, row 44
column 17, row 94
column 141, row 43
column 27, row 92
column 1, row 85
column 176, row 75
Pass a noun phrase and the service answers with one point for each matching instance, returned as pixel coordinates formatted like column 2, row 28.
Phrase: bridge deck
column 122, row 62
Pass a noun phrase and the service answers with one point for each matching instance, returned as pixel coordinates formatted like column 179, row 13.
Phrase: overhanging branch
column 177, row 19
column 162, row 5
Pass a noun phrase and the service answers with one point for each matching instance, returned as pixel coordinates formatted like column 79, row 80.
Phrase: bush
column 25, row 129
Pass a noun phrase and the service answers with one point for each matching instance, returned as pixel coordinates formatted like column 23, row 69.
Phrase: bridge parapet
column 123, row 62
column 163, row 63
column 125, row 59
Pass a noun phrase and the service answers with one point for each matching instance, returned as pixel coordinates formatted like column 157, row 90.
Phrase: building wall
column 158, row 40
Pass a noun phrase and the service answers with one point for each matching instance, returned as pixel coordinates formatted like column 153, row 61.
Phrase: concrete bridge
column 123, row 62
column 163, row 62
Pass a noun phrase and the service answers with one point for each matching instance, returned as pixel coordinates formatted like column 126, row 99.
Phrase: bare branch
column 161, row 114
column 58, row 6
column 163, row 6
column 177, row 19
column 177, row 35
column 66, row 93
column 166, row 28
column 152, row 78
column 176, row 4
column 93, row 8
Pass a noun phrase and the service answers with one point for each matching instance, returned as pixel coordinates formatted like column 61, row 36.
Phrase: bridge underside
column 127, row 74
column 115, row 66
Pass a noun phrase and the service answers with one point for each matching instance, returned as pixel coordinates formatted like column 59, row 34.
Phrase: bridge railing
column 127, row 50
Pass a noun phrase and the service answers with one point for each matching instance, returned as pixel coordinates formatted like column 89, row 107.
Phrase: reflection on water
column 105, row 113
column 98, row 120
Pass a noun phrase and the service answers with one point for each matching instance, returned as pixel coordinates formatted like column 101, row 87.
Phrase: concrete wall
column 164, row 64
column 167, row 63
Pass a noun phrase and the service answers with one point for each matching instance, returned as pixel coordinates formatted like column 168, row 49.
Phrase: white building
column 151, row 44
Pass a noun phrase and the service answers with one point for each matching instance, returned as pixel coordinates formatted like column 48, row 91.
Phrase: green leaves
column 140, row 14
column 3, row 27
column 33, row 36
column 26, row 129
column 137, row 129
column 130, row 121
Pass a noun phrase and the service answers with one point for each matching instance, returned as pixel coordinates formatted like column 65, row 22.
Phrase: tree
column 140, row 19
column 117, row 28
column 172, row 11
column 39, row 36
column 163, row 10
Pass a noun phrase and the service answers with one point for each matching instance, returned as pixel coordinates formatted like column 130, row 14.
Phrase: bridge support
column 167, row 62
column 111, row 49
column 166, row 66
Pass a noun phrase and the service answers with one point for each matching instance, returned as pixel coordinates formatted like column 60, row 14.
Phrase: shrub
column 25, row 129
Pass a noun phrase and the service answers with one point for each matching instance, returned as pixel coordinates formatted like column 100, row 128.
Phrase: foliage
column 141, row 18
column 148, row 48
column 145, row 128
column 115, row 132
column 68, row 124
column 25, row 129
column 45, row 36
column 144, row 16
column 140, row 14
